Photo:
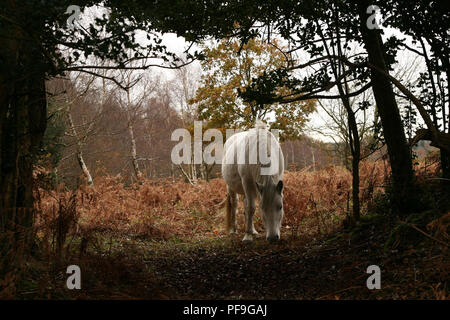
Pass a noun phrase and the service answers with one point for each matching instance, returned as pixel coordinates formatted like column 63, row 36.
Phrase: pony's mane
column 259, row 124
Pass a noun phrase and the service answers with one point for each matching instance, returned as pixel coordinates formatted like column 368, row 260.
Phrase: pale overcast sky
column 406, row 62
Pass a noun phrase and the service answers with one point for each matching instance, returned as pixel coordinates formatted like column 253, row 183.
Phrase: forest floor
column 334, row 267
column 165, row 240
column 223, row 267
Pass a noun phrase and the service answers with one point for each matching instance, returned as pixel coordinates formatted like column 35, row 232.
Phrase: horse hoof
column 247, row 238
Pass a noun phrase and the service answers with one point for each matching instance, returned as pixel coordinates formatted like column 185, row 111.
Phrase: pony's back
column 252, row 154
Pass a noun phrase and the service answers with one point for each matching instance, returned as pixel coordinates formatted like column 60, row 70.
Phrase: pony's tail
column 228, row 222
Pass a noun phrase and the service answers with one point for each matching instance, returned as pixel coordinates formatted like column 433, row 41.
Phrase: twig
column 340, row 291
column 221, row 203
column 424, row 233
column 438, row 178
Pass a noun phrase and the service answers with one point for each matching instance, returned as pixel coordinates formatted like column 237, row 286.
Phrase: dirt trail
column 223, row 267
column 329, row 268
column 291, row 269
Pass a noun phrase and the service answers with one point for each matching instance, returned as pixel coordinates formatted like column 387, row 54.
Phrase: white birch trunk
column 133, row 151
column 79, row 152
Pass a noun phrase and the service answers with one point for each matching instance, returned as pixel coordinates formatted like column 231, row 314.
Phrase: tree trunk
column 133, row 149
column 398, row 150
column 354, row 144
column 445, row 155
column 84, row 168
column 79, row 152
column 313, row 159
column 445, row 165
column 353, row 134
column 194, row 175
column 23, row 119
column 291, row 144
column 356, row 156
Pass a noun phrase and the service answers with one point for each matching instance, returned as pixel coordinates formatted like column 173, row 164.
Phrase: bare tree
column 76, row 89
column 138, row 88
column 183, row 89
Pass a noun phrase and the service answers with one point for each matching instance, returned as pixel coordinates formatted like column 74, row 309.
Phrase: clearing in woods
column 166, row 241
column 329, row 268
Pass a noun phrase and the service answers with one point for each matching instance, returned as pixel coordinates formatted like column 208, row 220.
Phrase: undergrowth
column 110, row 228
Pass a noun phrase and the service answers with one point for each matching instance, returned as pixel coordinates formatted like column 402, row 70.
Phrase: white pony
column 253, row 165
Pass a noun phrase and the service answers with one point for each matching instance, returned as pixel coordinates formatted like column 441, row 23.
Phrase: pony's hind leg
column 250, row 207
column 254, row 232
column 231, row 208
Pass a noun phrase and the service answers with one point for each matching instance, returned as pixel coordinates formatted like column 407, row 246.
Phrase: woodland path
column 226, row 268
